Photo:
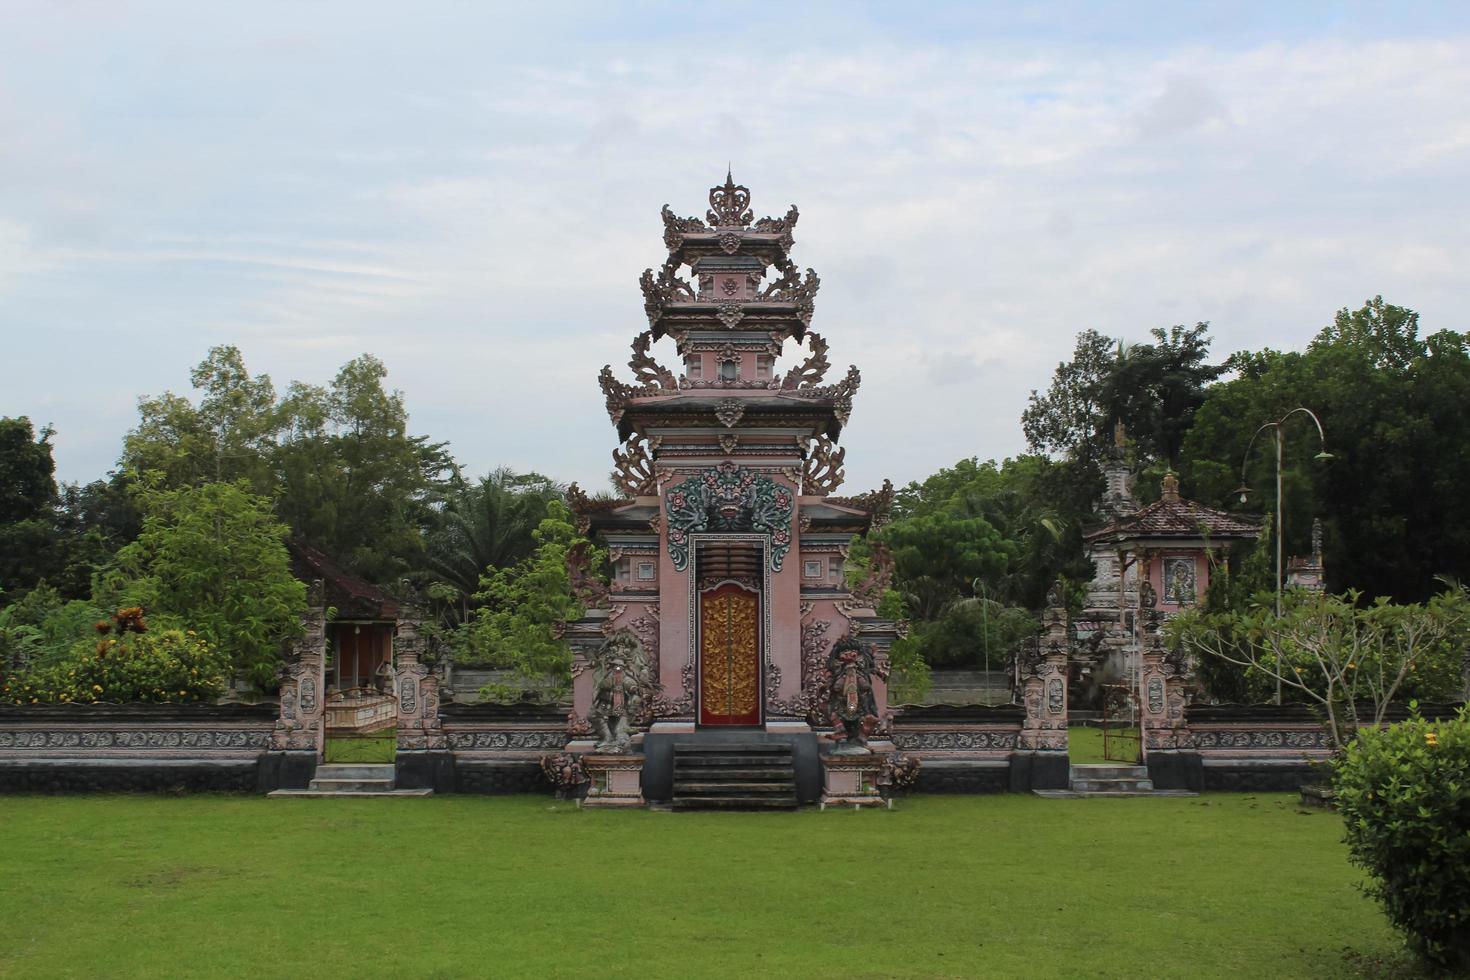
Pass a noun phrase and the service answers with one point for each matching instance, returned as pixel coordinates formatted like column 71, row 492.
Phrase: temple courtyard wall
column 498, row 749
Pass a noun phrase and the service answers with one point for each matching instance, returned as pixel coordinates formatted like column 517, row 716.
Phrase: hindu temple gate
column 729, row 549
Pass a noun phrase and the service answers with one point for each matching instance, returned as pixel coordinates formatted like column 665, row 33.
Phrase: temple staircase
column 1091, row 781
column 356, row 780
column 734, row 775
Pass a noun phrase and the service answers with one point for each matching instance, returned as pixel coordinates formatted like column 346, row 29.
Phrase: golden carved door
column 729, row 656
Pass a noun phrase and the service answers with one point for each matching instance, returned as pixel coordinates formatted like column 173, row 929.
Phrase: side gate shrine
column 735, row 657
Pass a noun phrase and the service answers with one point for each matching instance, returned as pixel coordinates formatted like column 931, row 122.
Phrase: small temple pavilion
column 360, row 635
column 1148, row 559
column 729, row 613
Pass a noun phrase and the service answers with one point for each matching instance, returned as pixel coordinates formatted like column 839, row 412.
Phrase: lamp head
column 1324, row 456
column 1244, row 492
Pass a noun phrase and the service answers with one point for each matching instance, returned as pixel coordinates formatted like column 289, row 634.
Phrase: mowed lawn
column 999, row 886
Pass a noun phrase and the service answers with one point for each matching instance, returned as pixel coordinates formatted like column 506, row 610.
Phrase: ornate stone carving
column 729, row 242
column 822, row 472
column 730, row 314
column 220, row 739
column 878, row 503
column 299, row 726
column 587, row 585
column 729, row 205
column 565, row 772
column 850, row 705
column 615, row 393
column 870, row 590
column 951, row 741
column 648, row 372
column 633, row 466
column 729, row 442
column 775, row 226
column 729, row 498
column 621, row 681
column 515, row 740
column 730, row 411
column 675, row 228
column 810, row 372
column 661, row 290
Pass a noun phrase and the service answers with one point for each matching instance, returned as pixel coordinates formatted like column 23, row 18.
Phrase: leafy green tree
column 27, row 481
column 937, row 556
column 520, row 607
column 1348, row 659
column 212, row 559
column 353, row 481
column 486, row 524
column 1392, row 404
column 1154, row 389
column 228, row 436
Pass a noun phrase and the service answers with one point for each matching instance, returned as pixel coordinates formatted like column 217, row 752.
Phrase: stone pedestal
column 617, row 780
column 851, row 780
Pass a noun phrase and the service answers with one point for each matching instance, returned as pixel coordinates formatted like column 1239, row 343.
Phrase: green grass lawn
column 999, row 886
column 378, row 748
column 1085, row 746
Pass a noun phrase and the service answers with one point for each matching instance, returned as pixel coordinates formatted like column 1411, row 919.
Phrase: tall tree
column 1154, row 389
column 1393, row 407
column 213, row 559
column 354, row 482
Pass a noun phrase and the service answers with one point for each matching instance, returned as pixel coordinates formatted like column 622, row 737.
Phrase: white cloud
column 481, row 223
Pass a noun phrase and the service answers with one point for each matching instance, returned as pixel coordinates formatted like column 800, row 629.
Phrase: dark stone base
column 658, row 759
column 499, row 778
column 1176, row 770
column 423, row 769
column 129, row 776
column 1262, row 777
column 286, row 770
column 1040, row 770
column 962, row 776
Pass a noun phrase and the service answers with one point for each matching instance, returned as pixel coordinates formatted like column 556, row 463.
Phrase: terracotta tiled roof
column 1178, row 518
column 352, row 597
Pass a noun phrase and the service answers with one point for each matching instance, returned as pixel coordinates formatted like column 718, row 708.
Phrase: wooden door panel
column 729, row 656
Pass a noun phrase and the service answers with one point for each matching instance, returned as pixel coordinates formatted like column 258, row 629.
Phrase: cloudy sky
column 470, row 191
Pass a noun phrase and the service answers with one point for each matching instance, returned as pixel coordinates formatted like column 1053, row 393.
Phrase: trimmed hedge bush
column 1404, row 792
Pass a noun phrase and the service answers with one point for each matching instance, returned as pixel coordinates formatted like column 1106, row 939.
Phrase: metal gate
column 1121, row 739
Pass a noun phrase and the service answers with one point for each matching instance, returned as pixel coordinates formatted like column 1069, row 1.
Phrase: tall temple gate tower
column 729, row 609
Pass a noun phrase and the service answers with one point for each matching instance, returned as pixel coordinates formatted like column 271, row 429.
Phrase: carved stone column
column 1044, row 687
column 1161, row 694
column 423, row 758
column 1041, row 760
column 297, row 740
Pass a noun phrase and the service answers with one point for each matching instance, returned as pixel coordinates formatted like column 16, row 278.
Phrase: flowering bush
column 1404, row 792
column 127, row 663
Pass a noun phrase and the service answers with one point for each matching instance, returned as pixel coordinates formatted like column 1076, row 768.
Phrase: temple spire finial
column 729, row 205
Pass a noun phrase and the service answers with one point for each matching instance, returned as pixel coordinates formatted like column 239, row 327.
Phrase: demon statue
column 620, row 678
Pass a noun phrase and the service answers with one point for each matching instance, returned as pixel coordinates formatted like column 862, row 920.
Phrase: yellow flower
column 97, row 688
column 1352, row 666
column 1431, row 738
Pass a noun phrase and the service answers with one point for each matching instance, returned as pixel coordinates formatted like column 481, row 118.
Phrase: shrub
column 127, row 664
column 1404, row 792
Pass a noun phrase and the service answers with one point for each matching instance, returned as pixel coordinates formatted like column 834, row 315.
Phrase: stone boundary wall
column 968, row 748
column 1254, row 748
column 497, row 749
column 133, row 747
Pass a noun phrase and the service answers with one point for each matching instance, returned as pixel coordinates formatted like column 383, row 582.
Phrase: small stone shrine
column 730, row 657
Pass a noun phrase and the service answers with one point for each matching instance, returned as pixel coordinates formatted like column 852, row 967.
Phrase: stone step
column 732, row 761
column 1067, row 794
column 359, row 770
column 1112, row 785
column 1119, row 771
column 351, row 785
column 736, row 772
column 314, row 794
column 734, row 803
column 723, row 788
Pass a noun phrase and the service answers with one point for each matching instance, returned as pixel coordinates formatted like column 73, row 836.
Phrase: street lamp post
column 1278, row 429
